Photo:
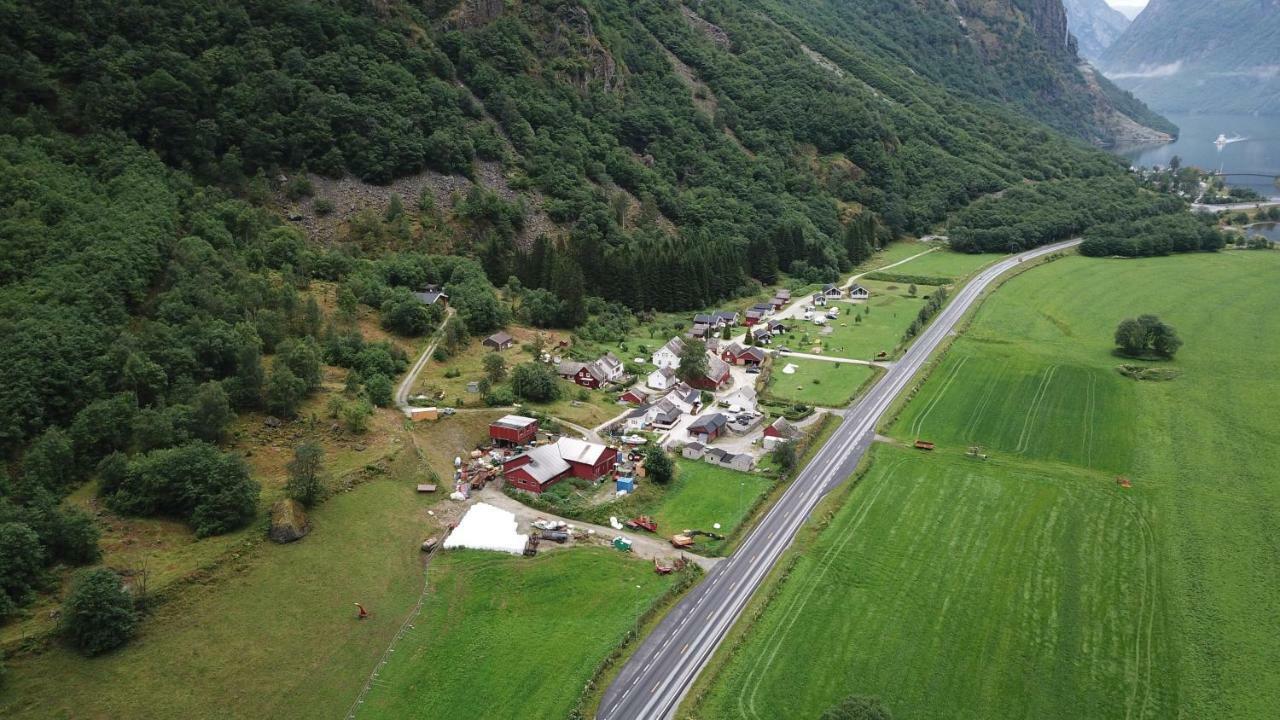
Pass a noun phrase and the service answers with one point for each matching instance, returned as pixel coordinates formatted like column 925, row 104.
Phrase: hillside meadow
column 1032, row 584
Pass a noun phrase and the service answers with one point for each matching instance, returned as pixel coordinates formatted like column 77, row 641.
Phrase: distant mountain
column 1017, row 52
column 1192, row 55
column 1095, row 25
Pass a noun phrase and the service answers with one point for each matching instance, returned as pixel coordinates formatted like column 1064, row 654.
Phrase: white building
column 668, row 356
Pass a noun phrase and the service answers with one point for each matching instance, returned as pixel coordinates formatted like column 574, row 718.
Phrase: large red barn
column 544, row 466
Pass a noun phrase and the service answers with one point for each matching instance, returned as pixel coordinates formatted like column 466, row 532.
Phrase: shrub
column 378, row 388
column 98, row 615
column 21, row 564
column 197, row 482
column 323, row 206
column 304, row 483
column 658, row 466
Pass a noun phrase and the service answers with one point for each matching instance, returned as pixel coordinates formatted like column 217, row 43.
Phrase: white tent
column 486, row 527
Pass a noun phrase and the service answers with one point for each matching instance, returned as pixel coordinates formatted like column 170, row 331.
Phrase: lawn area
column 1032, row 585
column 817, row 382
column 885, row 317
column 705, row 494
column 946, row 264
column 507, row 637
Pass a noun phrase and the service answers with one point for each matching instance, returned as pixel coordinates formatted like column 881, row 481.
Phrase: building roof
column 726, row 315
column 580, row 451
column 686, row 394
column 783, row 293
column 499, row 338
column 762, row 307
column 675, row 345
column 707, row 423
column 569, row 367
column 716, row 368
column 639, row 412
column 746, row 393
column 665, row 372
column 733, row 349
column 783, row 427
column 718, row 453
column 754, row 314
column 703, row 319
column 514, row 421
column 856, row 288
column 829, row 287
column 695, row 446
column 545, row 464
column 753, row 352
column 429, row 297
column 609, row 361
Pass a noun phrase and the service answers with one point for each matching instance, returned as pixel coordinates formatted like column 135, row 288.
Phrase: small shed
column 499, row 341
column 626, row 484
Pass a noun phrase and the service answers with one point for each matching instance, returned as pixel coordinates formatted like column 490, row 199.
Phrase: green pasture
column 818, row 382
column 946, row 264
column 506, row 637
column 1032, row 584
column 953, row 588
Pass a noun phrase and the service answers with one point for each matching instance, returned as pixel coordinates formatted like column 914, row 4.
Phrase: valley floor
column 1033, row 584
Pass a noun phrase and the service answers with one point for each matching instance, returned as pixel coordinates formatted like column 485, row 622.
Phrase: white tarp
column 486, row 527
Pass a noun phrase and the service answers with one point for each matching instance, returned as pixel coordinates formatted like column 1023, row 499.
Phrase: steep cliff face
column 1191, row 55
column 1095, row 25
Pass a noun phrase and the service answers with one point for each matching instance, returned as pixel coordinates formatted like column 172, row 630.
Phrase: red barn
column 546, row 465
column 513, row 430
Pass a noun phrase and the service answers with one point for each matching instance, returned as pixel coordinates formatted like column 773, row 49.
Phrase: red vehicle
column 644, row 522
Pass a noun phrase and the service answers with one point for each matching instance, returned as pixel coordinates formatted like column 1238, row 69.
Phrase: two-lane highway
column 665, row 665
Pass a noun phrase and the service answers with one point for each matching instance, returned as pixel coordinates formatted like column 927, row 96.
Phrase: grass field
column 1032, row 585
column 506, row 637
column 835, row 386
column 946, row 264
column 958, row 589
column 704, row 494
column 276, row 637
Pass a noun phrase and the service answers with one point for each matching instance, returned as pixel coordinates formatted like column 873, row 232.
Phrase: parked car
column 753, row 371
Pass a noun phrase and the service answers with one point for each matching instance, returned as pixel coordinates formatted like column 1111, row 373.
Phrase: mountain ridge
column 1095, row 25
column 1190, row 56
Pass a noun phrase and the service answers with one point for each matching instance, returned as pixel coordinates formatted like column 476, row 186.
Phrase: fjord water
column 1259, row 152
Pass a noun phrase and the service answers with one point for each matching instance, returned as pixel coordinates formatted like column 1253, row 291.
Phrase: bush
column 304, row 483
column 99, row 615
column 323, row 206
column 536, row 382
column 284, row 392
column 21, row 564
column 197, row 482
column 76, row 541
column 378, row 388
column 658, row 466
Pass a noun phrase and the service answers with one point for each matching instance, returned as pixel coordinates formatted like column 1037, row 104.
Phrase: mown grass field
column 958, row 589
column 946, row 264
column 836, row 383
column 704, row 494
column 1032, row 585
column 507, row 637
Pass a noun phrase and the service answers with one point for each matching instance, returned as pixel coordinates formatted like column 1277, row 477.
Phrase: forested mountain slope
column 1189, row 55
column 160, row 162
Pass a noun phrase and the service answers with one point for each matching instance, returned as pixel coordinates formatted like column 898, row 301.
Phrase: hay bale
column 288, row 521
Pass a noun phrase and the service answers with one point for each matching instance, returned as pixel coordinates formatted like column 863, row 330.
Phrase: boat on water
column 1224, row 140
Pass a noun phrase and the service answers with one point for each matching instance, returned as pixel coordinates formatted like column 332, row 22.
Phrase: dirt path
column 402, row 390
column 643, row 544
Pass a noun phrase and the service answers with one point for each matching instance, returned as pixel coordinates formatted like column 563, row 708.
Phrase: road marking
column 683, row 649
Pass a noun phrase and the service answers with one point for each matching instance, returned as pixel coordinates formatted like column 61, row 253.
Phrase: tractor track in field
column 1042, row 390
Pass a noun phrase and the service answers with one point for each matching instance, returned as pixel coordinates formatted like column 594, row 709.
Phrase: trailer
column 681, row 541
column 556, row 536
column 644, row 522
column 923, row 445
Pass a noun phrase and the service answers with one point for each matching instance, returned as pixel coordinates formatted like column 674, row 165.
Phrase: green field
column 835, row 386
column 957, row 589
column 947, row 264
column 276, row 638
column 704, row 494
column 1031, row 584
column 506, row 637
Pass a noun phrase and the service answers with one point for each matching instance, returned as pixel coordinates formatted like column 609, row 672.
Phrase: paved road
column 665, row 665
